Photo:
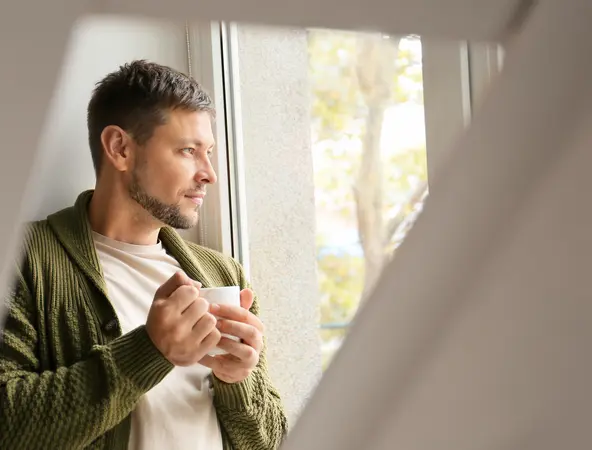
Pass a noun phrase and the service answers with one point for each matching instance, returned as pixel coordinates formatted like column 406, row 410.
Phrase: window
column 298, row 104
column 370, row 165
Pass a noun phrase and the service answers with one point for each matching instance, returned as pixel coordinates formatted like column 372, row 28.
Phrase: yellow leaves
column 356, row 81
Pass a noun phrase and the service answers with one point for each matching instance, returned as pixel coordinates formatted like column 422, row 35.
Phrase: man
column 106, row 341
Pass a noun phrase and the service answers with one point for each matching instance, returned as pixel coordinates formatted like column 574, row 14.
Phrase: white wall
column 273, row 67
column 98, row 46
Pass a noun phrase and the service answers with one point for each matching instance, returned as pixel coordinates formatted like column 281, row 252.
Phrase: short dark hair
column 137, row 98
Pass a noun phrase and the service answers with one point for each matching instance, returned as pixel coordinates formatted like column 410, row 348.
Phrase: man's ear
column 117, row 145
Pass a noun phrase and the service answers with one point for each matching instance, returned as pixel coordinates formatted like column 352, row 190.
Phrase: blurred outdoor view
column 368, row 143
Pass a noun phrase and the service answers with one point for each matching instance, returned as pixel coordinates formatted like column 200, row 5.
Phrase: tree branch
column 395, row 224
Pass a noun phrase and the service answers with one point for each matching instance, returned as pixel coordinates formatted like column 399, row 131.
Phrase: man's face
column 171, row 171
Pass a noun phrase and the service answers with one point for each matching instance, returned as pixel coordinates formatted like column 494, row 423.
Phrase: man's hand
column 179, row 323
column 242, row 356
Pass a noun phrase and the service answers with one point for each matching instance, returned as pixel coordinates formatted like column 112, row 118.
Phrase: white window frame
column 205, row 63
column 455, row 76
column 234, row 135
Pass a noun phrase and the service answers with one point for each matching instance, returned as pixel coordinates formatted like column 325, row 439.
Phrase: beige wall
column 273, row 66
column 98, row 46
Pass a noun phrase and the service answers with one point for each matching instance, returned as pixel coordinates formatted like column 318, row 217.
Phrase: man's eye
column 210, row 154
column 189, row 151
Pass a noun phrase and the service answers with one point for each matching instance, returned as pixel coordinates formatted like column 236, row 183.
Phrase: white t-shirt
column 178, row 413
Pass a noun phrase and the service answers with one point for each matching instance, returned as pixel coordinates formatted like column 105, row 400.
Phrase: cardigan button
column 110, row 326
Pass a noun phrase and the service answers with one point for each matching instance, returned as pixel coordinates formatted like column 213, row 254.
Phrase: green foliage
column 406, row 171
column 337, row 104
column 338, row 120
column 336, row 100
column 341, row 280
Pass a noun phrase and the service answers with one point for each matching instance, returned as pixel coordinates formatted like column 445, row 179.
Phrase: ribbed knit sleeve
column 72, row 406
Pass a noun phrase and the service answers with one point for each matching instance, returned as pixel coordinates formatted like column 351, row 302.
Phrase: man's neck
column 116, row 216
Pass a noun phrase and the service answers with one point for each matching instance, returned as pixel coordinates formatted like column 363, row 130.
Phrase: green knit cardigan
column 69, row 378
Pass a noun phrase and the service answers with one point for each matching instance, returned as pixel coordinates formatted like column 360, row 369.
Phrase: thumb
column 246, row 298
column 169, row 286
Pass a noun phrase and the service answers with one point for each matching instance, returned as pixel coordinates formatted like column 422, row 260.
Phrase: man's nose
column 207, row 174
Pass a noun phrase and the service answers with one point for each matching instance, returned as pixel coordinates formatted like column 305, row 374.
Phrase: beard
column 169, row 214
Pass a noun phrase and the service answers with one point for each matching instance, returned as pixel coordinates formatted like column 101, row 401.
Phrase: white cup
column 227, row 295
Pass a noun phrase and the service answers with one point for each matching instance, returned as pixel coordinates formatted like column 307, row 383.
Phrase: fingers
column 212, row 339
column 246, row 298
column 247, row 333
column 226, row 364
column 169, row 286
column 241, row 357
column 205, row 326
column 195, row 311
column 208, row 361
column 182, row 298
column 237, row 314
column 179, row 323
column 228, row 368
column 248, row 355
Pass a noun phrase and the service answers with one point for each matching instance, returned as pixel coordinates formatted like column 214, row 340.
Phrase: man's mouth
column 196, row 198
